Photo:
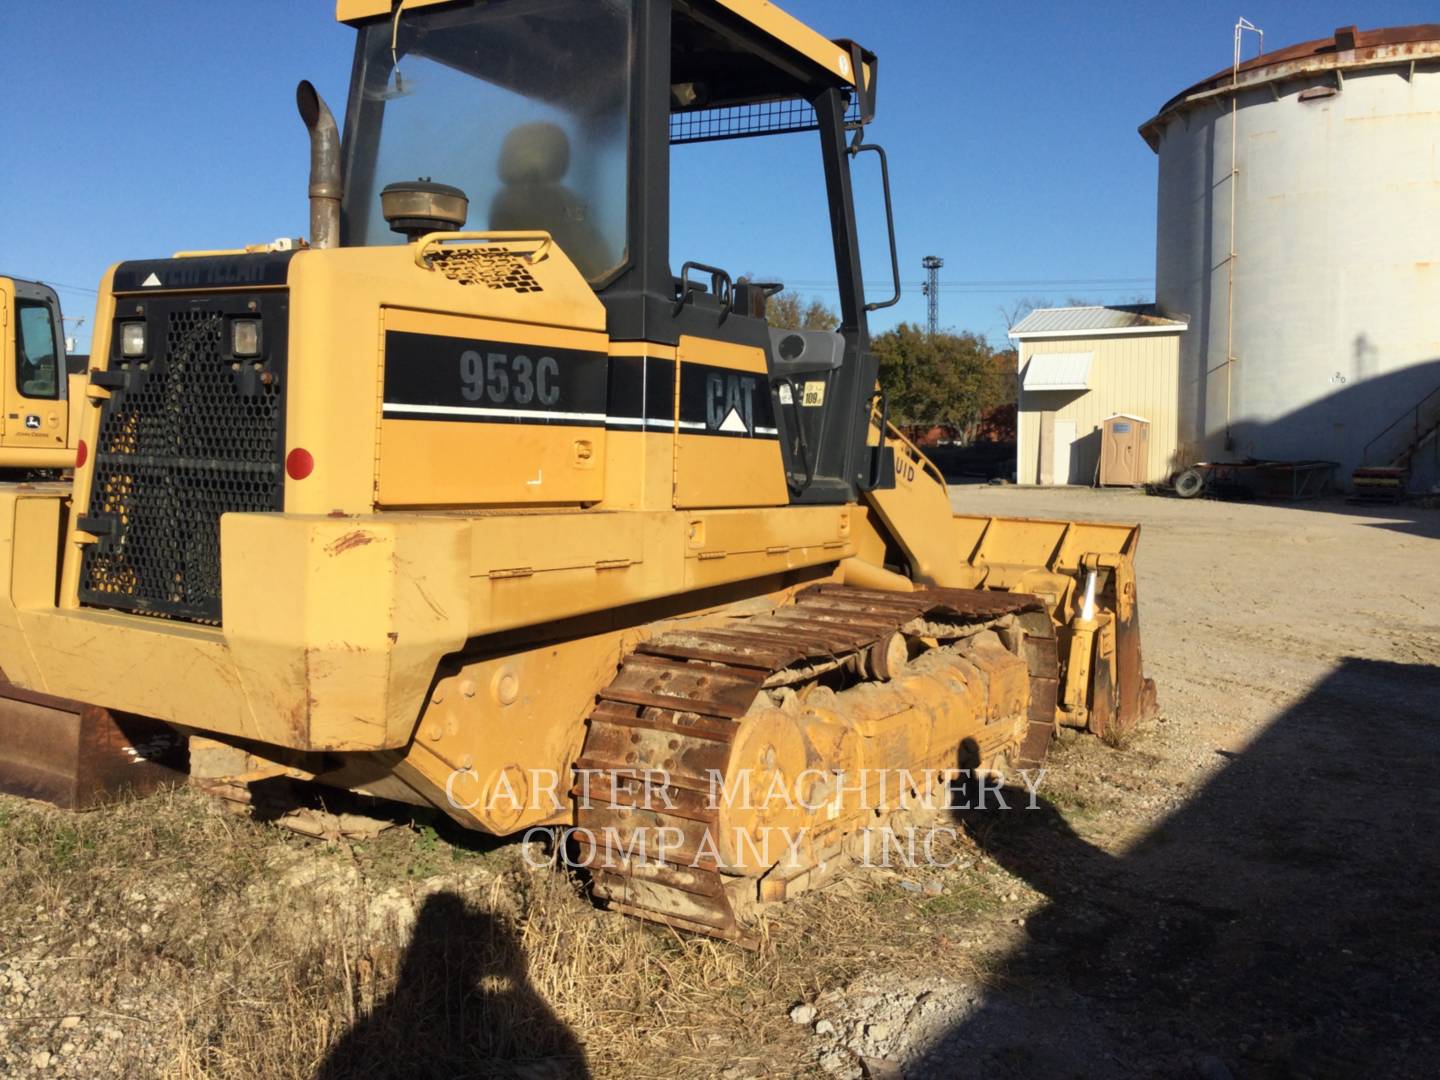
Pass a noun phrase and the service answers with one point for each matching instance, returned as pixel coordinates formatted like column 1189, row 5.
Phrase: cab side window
column 37, row 368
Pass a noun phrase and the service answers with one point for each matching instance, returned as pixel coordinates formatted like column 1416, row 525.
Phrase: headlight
column 245, row 337
column 132, row 339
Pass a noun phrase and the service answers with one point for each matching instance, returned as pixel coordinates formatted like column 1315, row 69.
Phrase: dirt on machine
column 478, row 501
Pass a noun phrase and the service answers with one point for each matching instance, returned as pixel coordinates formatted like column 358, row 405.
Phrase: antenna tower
column 931, row 289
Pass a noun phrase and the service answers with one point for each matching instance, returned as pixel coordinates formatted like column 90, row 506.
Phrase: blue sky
column 157, row 125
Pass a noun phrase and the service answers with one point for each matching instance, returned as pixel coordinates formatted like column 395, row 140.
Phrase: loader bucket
column 1104, row 687
column 80, row 756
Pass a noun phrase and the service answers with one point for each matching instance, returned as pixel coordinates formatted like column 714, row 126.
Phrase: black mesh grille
column 743, row 121
column 187, row 435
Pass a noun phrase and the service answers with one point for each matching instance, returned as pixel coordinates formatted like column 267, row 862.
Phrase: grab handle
column 439, row 239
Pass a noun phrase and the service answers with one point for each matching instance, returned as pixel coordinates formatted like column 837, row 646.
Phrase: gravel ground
column 1249, row 889
column 1246, row 889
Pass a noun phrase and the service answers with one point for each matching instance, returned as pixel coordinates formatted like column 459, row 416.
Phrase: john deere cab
column 36, row 438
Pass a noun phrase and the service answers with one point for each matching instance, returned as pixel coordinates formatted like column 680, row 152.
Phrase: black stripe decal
column 642, row 394
column 723, row 401
column 208, row 272
column 436, row 377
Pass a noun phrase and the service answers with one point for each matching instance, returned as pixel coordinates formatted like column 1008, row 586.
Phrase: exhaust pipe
column 325, row 188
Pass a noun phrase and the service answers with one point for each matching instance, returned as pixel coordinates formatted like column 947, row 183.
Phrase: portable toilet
column 1124, row 450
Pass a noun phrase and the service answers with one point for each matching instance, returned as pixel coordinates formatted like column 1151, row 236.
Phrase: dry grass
column 1119, row 737
column 191, row 943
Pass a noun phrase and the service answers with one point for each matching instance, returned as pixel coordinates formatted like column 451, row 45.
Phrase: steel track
column 675, row 706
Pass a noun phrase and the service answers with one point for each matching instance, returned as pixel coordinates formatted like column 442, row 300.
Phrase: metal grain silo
column 1299, row 227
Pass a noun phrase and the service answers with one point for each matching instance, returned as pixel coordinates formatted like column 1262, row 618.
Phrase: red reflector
column 82, row 454
column 299, row 464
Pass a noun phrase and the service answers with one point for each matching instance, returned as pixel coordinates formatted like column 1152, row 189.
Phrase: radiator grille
column 186, row 436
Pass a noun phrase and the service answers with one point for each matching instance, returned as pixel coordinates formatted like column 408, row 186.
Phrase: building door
column 1064, row 439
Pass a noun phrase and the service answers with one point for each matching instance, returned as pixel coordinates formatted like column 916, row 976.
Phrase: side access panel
column 33, row 519
column 727, row 446
column 483, row 412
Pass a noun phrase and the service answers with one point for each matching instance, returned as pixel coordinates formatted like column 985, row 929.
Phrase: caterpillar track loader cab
column 479, row 501
column 37, row 430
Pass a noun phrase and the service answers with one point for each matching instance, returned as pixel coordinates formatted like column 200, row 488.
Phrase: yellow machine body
column 443, row 519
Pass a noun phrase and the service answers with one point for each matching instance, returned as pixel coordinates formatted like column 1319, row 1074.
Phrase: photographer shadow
column 462, row 1006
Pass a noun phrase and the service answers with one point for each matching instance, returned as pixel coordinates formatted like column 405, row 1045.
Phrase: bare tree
column 1019, row 309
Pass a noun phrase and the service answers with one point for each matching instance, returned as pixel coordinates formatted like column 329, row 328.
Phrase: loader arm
column 1103, row 686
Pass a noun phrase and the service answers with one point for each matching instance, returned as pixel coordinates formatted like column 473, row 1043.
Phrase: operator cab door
column 727, row 445
column 36, row 415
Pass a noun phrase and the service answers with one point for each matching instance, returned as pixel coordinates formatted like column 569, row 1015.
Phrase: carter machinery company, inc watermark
column 791, row 811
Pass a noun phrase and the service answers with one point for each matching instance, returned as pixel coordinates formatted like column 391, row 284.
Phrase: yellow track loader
column 40, row 402
column 477, row 501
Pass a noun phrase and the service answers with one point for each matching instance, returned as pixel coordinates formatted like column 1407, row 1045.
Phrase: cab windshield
column 523, row 104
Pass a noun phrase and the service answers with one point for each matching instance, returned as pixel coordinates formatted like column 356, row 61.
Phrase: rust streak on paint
column 351, row 540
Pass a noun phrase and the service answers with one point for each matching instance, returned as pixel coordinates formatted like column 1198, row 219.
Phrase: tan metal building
column 1080, row 366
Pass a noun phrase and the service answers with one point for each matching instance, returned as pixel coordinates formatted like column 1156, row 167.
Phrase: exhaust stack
column 325, row 187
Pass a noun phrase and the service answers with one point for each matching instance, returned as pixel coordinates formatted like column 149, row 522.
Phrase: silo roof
column 1346, row 49
column 1099, row 320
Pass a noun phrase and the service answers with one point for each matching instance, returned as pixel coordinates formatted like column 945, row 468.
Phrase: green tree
column 787, row 310
column 948, row 379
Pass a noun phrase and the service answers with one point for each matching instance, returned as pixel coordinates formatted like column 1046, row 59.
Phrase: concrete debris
column 881, row 1069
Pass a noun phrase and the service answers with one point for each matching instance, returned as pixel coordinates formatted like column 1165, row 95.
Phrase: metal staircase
column 1406, row 435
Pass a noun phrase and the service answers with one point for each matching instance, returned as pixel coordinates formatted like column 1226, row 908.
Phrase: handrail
column 1406, row 415
column 856, row 148
column 916, row 454
column 486, row 236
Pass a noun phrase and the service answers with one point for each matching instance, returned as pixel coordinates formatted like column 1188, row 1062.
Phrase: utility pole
column 931, row 289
